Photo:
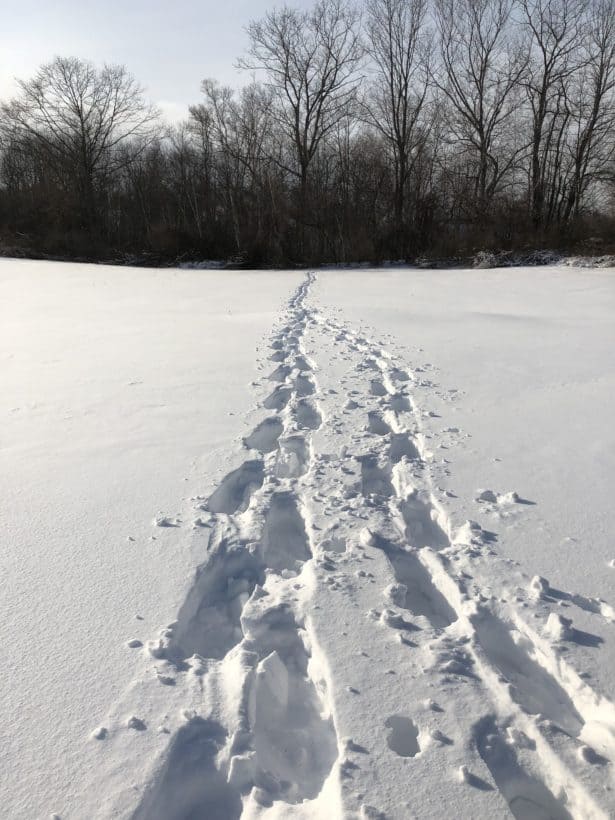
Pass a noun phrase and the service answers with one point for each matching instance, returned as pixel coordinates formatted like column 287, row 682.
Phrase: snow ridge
column 342, row 651
column 244, row 626
column 440, row 604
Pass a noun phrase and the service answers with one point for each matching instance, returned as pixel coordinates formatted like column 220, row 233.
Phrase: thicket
column 394, row 130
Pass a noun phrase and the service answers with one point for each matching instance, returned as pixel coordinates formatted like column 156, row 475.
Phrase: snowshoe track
column 339, row 604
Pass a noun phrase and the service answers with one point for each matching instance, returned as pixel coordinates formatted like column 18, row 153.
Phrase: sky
column 168, row 45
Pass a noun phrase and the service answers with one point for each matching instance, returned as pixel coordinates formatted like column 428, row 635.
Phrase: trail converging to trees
column 346, row 648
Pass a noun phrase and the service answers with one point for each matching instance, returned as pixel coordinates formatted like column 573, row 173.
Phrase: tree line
column 392, row 130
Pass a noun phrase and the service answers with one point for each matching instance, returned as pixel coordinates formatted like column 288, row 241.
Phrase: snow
column 117, row 386
column 307, row 545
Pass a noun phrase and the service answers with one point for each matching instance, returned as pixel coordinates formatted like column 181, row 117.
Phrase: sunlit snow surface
column 397, row 488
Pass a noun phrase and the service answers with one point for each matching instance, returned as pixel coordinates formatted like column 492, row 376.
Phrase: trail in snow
column 344, row 650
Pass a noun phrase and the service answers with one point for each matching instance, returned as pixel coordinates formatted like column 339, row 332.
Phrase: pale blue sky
column 169, row 46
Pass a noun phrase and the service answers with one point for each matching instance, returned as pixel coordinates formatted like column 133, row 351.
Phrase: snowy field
column 288, row 545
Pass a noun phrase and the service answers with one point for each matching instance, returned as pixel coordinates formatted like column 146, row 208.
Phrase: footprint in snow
column 134, row 643
column 376, row 388
column 403, row 736
column 136, row 723
column 265, row 436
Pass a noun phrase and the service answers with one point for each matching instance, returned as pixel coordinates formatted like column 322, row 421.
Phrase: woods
column 392, row 130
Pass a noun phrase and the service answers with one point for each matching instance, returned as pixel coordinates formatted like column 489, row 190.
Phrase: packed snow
column 333, row 544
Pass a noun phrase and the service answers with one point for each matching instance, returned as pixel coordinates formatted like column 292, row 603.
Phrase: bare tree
column 477, row 118
column 395, row 42
column 556, row 29
column 310, row 60
column 241, row 126
column 78, row 115
column 593, row 107
column 479, row 72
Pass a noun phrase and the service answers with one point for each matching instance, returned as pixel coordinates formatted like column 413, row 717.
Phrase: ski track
column 342, row 636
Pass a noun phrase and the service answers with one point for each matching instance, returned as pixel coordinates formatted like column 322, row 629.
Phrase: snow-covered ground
column 293, row 545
